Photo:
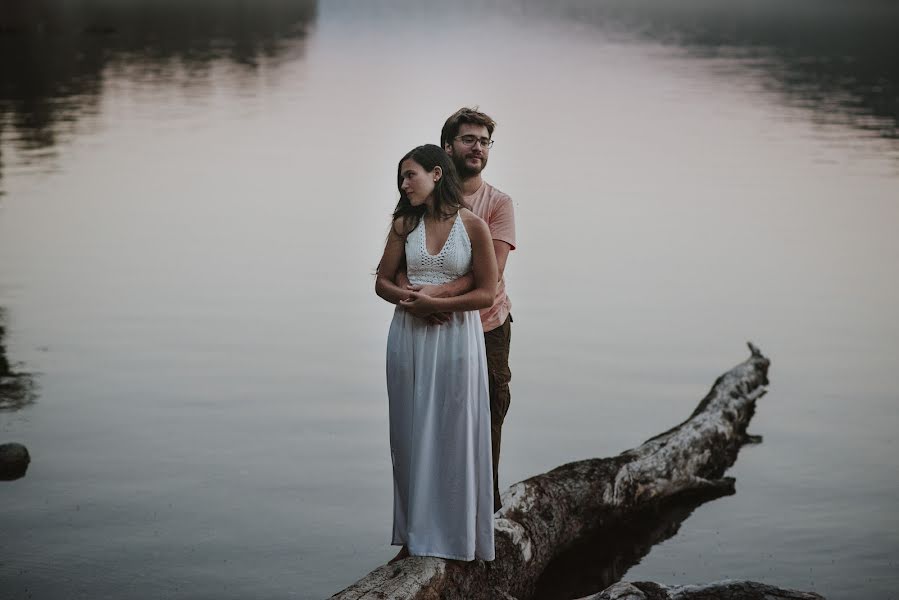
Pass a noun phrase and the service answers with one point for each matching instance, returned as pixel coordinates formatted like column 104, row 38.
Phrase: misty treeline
column 839, row 58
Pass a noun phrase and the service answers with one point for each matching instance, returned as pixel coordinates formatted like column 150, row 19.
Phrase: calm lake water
column 195, row 195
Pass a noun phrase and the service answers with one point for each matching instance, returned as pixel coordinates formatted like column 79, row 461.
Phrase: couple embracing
column 448, row 346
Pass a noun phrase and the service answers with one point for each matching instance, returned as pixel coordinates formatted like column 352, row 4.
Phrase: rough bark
column 544, row 515
column 721, row 590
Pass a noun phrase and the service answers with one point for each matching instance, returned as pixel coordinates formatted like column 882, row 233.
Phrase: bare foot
column 403, row 553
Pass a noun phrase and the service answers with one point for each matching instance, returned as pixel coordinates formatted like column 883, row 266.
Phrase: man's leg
column 498, row 374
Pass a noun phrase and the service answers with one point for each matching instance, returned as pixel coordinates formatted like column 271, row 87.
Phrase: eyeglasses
column 471, row 140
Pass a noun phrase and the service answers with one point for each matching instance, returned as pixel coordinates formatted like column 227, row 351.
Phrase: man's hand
column 438, row 318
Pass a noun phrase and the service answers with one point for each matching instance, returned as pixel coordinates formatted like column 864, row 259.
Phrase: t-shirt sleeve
column 502, row 221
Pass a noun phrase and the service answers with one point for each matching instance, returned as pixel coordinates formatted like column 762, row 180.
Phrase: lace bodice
column 453, row 260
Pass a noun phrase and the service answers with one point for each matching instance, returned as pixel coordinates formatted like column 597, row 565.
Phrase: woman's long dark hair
column 448, row 196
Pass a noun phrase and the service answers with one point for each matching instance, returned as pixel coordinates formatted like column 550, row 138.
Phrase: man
column 467, row 138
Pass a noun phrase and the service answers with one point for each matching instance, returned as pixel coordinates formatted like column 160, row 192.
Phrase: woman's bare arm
column 393, row 258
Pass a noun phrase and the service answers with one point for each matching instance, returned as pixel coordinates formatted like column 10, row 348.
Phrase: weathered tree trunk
column 545, row 514
column 722, row 590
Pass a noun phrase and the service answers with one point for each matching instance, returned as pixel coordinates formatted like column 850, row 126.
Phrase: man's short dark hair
column 468, row 116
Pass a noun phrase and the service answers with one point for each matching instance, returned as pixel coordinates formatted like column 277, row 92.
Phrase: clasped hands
column 420, row 303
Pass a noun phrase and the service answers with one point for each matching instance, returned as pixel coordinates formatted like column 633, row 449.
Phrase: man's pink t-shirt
column 495, row 208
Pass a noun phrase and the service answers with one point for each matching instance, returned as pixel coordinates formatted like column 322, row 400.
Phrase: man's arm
column 483, row 268
column 463, row 284
column 504, row 220
column 457, row 287
column 453, row 288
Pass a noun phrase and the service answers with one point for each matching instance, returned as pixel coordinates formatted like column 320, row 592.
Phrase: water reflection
column 836, row 57
column 55, row 55
column 602, row 558
column 17, row 388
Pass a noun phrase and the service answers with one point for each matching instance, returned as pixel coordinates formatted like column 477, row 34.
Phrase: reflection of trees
column 604, row 557
column 839, row 58
column 54, row 53
column 16, row 388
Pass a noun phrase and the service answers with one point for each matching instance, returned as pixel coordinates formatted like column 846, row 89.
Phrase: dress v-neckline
column 424, row 236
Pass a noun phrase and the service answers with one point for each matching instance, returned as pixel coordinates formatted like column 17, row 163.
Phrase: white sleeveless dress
column 440, row 417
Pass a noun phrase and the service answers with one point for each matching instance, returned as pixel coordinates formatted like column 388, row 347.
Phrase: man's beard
column 464, row 170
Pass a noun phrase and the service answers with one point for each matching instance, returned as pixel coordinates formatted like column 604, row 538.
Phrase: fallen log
column 721, row 590
column 544, row 515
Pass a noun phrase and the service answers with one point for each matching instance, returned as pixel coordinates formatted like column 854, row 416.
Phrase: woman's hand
column 419, row 304
column 434, row 318
column 434, row 291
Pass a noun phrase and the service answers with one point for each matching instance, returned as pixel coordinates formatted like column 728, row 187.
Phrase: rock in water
column 14, row 459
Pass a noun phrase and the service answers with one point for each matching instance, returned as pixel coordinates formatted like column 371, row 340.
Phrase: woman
column 437, row 373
